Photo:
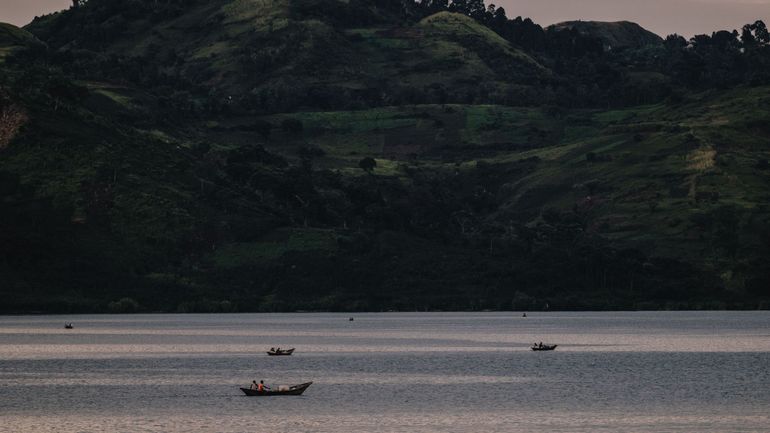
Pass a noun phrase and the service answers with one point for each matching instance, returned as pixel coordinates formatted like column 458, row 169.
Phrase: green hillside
column 622, row 34
column 323, row 155
column 13, row 38
column 283, row 55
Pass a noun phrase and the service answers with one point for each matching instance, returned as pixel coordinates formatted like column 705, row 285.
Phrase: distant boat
column 524, row 315
column 544, row 347
column 68, row 326
column 279, row 352
column 351, row 319
column 289, row 390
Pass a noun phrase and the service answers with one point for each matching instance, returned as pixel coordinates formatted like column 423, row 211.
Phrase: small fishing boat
column 279, row 352
column 543, row 347
column 68, row 326
column 282, row 390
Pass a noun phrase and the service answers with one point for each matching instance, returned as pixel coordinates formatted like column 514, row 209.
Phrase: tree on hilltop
column 367, row 164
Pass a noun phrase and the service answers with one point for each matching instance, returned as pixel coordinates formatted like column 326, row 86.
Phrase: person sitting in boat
column 272, row 349
column 253, row 385
column 261, row 387
column 540, row 345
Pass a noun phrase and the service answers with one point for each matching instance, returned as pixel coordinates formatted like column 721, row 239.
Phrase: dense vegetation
column 271, row 155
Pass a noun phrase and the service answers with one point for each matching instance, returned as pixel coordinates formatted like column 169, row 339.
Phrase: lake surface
column 419, row 372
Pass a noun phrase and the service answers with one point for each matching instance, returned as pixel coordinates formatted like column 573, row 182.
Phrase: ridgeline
column 278, row 155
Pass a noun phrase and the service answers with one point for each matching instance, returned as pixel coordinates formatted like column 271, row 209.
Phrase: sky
column 686, row 17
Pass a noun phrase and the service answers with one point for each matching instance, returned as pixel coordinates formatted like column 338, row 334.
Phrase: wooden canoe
column 292, row 390
column 281, row 352
column 544, row 347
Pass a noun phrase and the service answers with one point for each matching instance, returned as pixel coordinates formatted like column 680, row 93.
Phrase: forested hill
column 615, row 35
column 274, row 155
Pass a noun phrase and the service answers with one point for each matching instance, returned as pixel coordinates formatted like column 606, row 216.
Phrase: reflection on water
column 388, row 372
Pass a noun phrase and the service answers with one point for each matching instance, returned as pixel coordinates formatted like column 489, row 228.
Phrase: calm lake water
column 426, row 372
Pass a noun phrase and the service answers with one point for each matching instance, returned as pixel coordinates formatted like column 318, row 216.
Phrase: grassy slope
column 615, row 34
column 12, row 35
column 655, row 167
column 12, row 38
column 256, row 47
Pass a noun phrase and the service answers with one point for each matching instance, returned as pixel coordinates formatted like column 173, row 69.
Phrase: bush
column 124, row 306
column 292, row 125
column 367, row 164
